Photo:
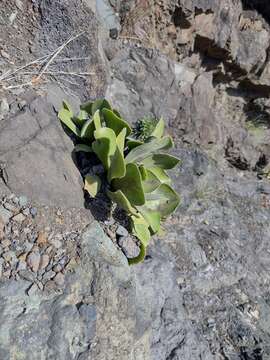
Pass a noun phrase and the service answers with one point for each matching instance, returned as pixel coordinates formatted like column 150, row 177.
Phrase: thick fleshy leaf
column 163, row 200
column 92, row 184
column 143, row 172
column 159, row 129
column 141, row 152
column 163, row 178
column 83, row 148
column 120, row 140
column 131, row 185
column 67, row 106
column 118, row 165
column 140, row 229
column 139, row 258
column 152, row 217
column 117, row 168
column 91, row 107
column 97, row 120
column 88, row 129
column 114, row 122
column 117, row 113
column 163, row 161
column 87, row 107
column 99, row 105
column 105, row 145
column 66, row 117
column 151, row 182
column 80, row 119
column 132, row 143
column 121, row 200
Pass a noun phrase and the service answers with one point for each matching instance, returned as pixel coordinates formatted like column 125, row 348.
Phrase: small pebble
column 6, row 56
column 19, row 218
column 49, row 249
column 8, row 255
column 44, row 261
column 33, row 211
column 27, row 275
column 56, row 243
column 28, row 246
column 19, row 4
column 59, row 279
column 71, row 265
column 63, row 260
column 26, row 212
column 48, row 275
column 50, row 285
column 5, row 215
column 33, row 261
column 32, row 290
column 40, row 285
column 109, row 222
column 57, row 268
column 12, row 17
column 21, row 265
column 7, row 273
column 23, row 201
column 2, row 227
column 15, row 200
column 121, row 231
column 41, row 272
column 5, row 243
column 11, row 207
column 42, row 238
column 1, row 266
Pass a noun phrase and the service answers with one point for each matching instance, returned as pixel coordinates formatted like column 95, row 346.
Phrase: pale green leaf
column 120, row 140
column 140, row 229
column 121, row 200
column 163, row 161
column 88, row 129
column 161, row 175
column 132, row 143
column 67, row 107
column 139, row 258
column 104, row 146
column 66, row 117
column 97, row 120
column 114, row 122
column 131, row 185
column 152, row 217
column 151, row 182
column 143, row 172
column 100, row 104
column 117, row 167
column 92, row 184
column 159, row 129
column 80, row 119
column 163, row 200
column 141, row 152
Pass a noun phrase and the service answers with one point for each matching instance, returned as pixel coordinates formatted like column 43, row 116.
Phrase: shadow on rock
column 88, row 163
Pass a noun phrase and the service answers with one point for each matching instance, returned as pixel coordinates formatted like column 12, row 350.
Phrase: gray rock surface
column 36, row 130
column 203, row 290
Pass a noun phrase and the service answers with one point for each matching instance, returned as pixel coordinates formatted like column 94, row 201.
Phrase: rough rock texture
column 203, row 290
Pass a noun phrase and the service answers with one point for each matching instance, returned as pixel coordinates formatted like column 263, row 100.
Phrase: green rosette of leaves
column 136, row 168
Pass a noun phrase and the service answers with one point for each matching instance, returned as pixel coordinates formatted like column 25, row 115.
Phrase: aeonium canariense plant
column 135, row 166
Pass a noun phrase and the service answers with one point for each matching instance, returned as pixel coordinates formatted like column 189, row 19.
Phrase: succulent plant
column 135, row 167
column 144, row 127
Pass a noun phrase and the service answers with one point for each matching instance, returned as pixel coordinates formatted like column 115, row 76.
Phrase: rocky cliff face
column 66, row 290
